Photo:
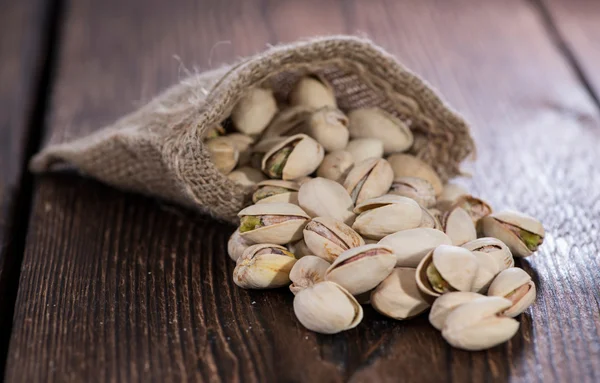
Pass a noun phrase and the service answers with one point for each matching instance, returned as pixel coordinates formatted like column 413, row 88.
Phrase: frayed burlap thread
column 158, row 150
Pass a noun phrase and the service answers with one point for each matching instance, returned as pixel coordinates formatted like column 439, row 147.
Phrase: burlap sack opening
column 158, row 149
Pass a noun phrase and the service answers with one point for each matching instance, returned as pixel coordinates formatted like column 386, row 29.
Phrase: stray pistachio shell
column 278, row 223
column 276, row 191
column 411, row 246
column 369, row 179
column 363, row 148
column 294, row 157
column 486, row 271
column 458, row 226
column 263, row 266
column 306, row 272
column 362, row 268
column 246, row 176
column 329, row 126
column 515, row 285
column 429, row 219
column 444, row 305
column 254, row 111
column 451, row 192
column 288, row 122
column 327, row 308
column 475, row 207
column 479, row 324
column 445, row 269
column 214, row 132
column 336, row 165
column 321, row 197
column 496, row 248
column 377, row 123
column 299, row 249
column 262, row 147
column 313, row 91
column 243, row 145
column 385, row 215
column 237, row 245
column 522, row 233
column 398, row 296
column 328, row 237
column 223, row 154
column 405, row 165
column 416, row 188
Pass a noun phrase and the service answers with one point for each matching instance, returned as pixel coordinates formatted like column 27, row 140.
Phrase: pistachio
column 362, row 268
column 411, row 246
column 328, row 237
column 430, row 219
column 223, row 154
column 299, row 249
column 246, row 176
column 377, row 123
column 515, row 285
column 278, row 223
column 458, row 225
column 444, row 305
column 329, row 126
column 308, row 271
column 405, row 165
column 363, row 148
column 479, row 324
column 451, row 192
column 313, row 91
column 214, row 132
column 496, row 248
column 486, row 271
column 295, row 157
column 445, row 269
column 369, row 179
column 321, row 197
column 385, row 215
column 398, row 296
column 254, row 111
column 276, row 191
column 243, row 144
column 263, row 266
column 289, row 122
column 416, row 188
column 336, row 165
column 236, row 245
column 302, row 180
column 522, row 234
column 476, row 207
column 262, row 147
column 327, row 308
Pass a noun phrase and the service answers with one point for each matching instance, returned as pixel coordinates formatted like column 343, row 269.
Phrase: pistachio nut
column 299, row 249
column 214, row 132
column 385, row 215
column 269, row 191
column 329, row 126
column 294, row 157
column 243, row 145
column 237, row 245
column 327, row 308
column 223, row 154
column 254, row 111
column 262, row 147
column 336, row 165
column 416, row 188
column 479, row 324
column 289, row 122
column 306, row 272
column 362, row 268
column 328, row 237
column 398, row 296
column 445, row 269
column 477, row 208
column 313, row 91
column 515, row 285
column 263, row 266
column 278, row 223
column 451, row 192
column 369, row 179
column 522, row 233
column 444, row 305
column 246, row 176
column 363, row 148
column 496, row 248
column 430, row 219
column 321, row 197
column 411, row 246
column 458, row 225
column 377, row 123
column 486, row 271
column 405, row 165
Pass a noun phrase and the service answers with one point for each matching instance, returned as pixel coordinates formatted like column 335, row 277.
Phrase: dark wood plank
column 115, row 287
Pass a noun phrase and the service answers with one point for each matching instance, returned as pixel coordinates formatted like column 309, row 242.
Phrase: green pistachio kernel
column 435, row 279
column 249, row 222
column 277, row 162
column 532, row 241
column 268, row 191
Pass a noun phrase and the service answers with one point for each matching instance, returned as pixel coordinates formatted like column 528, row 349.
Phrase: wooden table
column 102, row 285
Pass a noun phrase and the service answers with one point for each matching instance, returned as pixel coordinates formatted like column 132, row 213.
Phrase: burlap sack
column 158, row 149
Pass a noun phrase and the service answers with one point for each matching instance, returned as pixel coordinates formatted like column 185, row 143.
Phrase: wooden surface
column 118, row 287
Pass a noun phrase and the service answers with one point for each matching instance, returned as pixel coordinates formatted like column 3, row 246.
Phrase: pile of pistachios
column 343, row 226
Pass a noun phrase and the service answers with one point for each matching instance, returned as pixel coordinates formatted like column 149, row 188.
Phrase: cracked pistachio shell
column 327, row 308
column 451, row 192
column 429, row 219
column 398, row 296
column 313, row 91
column 416, row 188
column 287, row 227
column 246, row 176
column 377, row 123
column 260, row 148
column 444, row 305
column 478, row 325
column 276, row 191
column 237, row 245
column 299, row 249
column 254, row 111
column 305, row 156
column 362, row 268
column 475, row 207
column 385, row 215
column 336, row 165
column 223, row 153
column 328, row 237
column 486, row 271
column 458, row 226
column 369, row 179
column 505, row 224
column 243, row 144
column 329, row 126
column 263, row 266
column 363, row 148
column 496, row 248
column 454, row 267
column 288, row 122
column 515, row 285
column 411, row 246
column 405, row 165
column 307, row 271
column 321, row 197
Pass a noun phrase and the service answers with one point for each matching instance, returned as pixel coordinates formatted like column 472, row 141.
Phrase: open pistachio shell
column 416, row 188
column 313, row 91
column 254, row 111
column 294, row 157
column 329, row 126
column 429, row 219
column 411, row 246
column 451, row 192
column 237, row 245
column 223, row 153
column 246, row 176
column 496, row 248
column 336, row 165
column 268, row 189
column 288, row 122
column 515, row 285
column 377, row 123
column 243, row 145
column 369, row 179
column 475, row 207
column 306, row 272
column 385, row 215
column 321, row 197
column 522, row 234
column 262, row 147
column 328, row 237
column 444, row 305
column 263, row 266
column 398, row 296
column 405, row 165
column 299, row 248
column 278, row 223
column 458, row 225
column 486, row 271
column 363, row 148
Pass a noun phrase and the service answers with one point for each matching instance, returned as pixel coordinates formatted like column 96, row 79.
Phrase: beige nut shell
column 385, row 215
column 304, row 159
column 262, row 271
column 378, row 175
column 321, row 197
column 444, row 305
column 456, row 265
column 411, row 246
column 325, row 248
column 398, row 296
column 510, row 280
column 281, row 233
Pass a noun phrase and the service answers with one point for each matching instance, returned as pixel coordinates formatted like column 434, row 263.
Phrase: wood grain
column 115, row 286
